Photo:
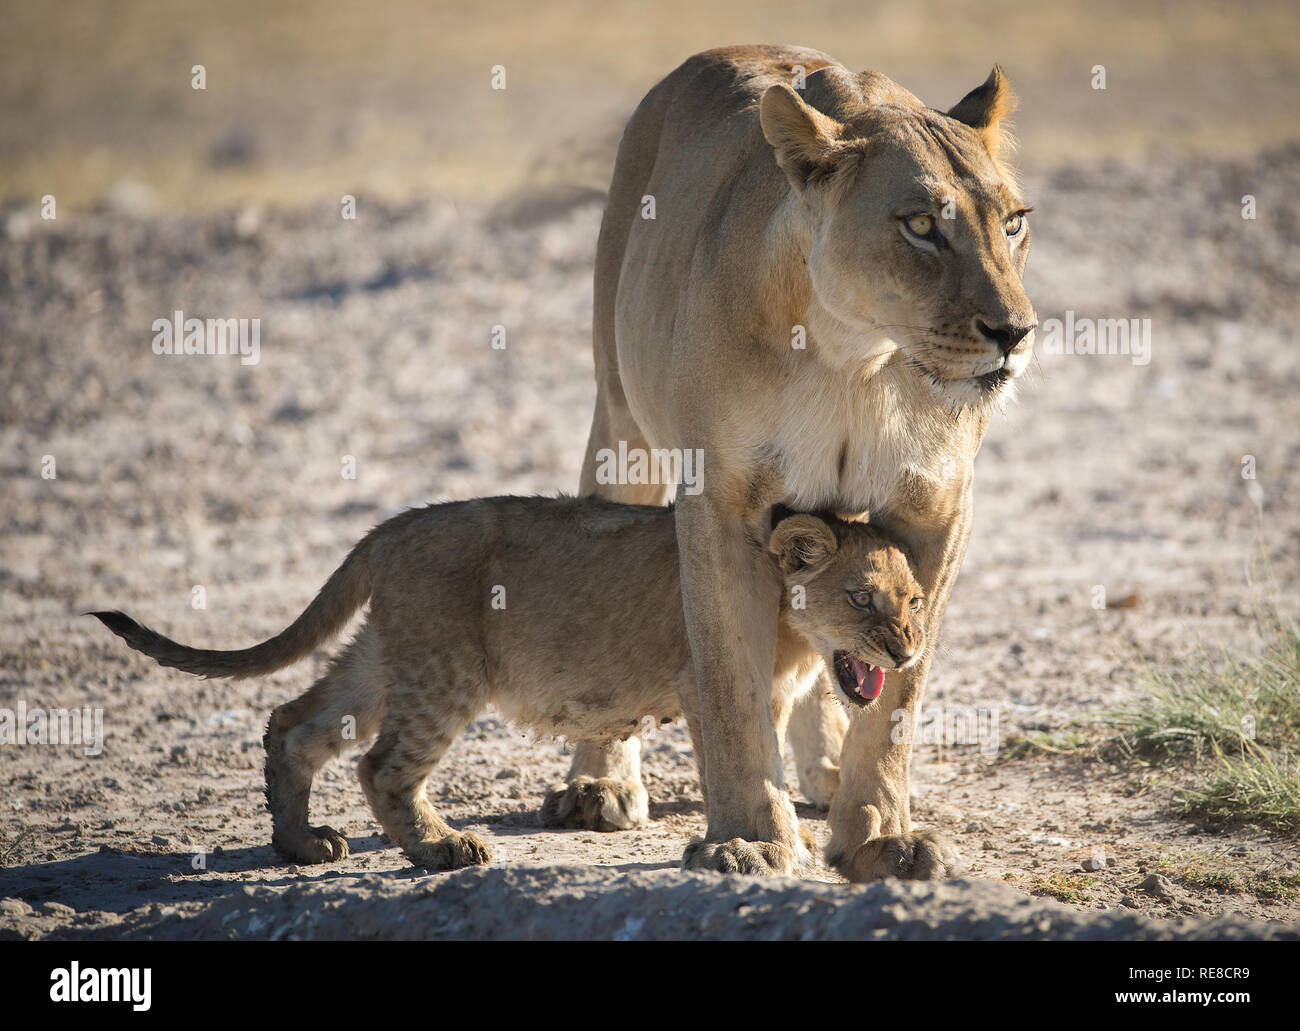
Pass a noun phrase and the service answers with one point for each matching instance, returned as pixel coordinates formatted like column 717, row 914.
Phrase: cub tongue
column 871, row 679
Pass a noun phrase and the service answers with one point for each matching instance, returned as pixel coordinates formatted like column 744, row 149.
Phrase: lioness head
column 919, row 233
column 860, row 607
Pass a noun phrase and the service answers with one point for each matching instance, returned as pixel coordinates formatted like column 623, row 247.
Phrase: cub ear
column 804, row 139
column 802, row 542
column 986, row 108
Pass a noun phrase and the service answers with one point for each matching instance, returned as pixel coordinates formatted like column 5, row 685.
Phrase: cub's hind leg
column 343, row 706
column 419, row 727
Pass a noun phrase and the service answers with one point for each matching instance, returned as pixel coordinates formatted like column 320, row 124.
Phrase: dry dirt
column 176, row 473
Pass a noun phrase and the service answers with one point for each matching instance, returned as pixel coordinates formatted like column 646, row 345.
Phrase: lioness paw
column 597, row 804
column 312, row 845
column 919, row 856
column 451, row 853
column 758, row 858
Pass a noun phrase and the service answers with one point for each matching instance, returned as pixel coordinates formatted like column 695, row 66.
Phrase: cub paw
column 819, row 781
column 597, row 804
column 451, row 853
column 312, row 845
column 757, row 858
column 919, row 856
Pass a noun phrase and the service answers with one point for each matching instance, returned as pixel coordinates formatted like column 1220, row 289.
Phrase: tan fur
column 780, row 208
column 590, row 642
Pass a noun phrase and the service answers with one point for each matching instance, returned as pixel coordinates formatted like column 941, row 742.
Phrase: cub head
column 919, row 234
column 861, row 608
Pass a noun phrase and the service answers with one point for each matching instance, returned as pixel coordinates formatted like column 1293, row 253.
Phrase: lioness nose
column 900, row 655
column 1006, row 337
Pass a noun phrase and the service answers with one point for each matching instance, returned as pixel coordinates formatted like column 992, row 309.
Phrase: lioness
column 827, row 305
column 527, row 603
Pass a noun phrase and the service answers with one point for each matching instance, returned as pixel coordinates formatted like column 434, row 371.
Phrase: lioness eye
column 862, row 600
column 920, row 225
column 915, row 604
column 1014, row 224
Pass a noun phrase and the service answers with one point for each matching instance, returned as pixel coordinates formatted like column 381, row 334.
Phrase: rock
column 14, row 908
column 1158, row 885
column 248, row 222
column 1096, row 861
column 567, row 903
column 130, row 198
column 57, row 909
column 19, row 224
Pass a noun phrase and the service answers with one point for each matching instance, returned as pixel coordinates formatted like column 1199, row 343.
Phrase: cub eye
column 915, row 604
column 1014, row 225
column 920, row 225
column 862, row 600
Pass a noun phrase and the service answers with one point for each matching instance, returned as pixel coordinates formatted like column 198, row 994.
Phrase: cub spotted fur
column 565, row 613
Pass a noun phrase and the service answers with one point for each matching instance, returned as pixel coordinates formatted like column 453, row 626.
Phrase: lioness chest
column 855, row 446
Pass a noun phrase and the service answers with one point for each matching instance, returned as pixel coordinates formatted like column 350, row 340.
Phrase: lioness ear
column 804, row 139
column 985, row 109
column 802, row 542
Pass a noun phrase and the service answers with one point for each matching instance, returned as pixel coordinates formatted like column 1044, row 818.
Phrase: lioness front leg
column 603, row 791
column 870, row 816
column 731, row 595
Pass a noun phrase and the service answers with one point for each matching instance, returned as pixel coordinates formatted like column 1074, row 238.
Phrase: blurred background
column 306, row 100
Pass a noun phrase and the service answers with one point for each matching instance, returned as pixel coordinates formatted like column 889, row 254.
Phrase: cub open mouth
column 860, row 681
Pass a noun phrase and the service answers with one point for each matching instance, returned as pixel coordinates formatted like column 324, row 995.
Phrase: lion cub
column 563, row 612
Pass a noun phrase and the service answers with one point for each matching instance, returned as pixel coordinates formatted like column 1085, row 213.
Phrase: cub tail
column 344, row 592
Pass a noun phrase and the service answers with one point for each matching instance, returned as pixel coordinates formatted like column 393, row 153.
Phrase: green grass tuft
column 1236, row 706
column 1255, row 787
column 1235, row 719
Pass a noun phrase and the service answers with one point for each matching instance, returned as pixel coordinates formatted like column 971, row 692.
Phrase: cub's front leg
column 818, row 724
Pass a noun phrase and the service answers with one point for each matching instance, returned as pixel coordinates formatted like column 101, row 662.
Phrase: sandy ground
column 198, row 472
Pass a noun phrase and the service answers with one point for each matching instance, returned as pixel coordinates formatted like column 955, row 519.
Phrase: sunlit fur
column 588, row 640
column 773, row 315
